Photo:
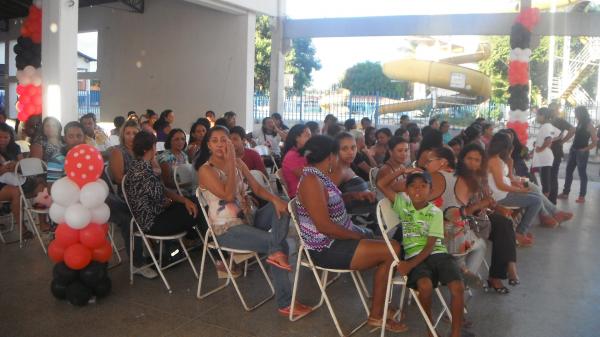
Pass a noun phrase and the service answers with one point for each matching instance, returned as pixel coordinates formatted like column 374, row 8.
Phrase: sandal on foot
column 580, row 200
column 391, row 325
column 299, row 310
column 273, row 260
column 499, row 290
column 514, row 281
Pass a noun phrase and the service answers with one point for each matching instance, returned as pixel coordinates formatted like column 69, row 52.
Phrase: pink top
column 292, row 161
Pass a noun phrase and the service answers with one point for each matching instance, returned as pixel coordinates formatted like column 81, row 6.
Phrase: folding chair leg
column 388, row 298
column 212, row 258
column 423, row 313
column 115, row 249
column 156, row 263
column 362, row 285
column 291, row 317
column 401, row 306
column 187, row 255
column 131, row 239
column 445, row 308
column 235, row 285
column 199, row 294
column 35, row 229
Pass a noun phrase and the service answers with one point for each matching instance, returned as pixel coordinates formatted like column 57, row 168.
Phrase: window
column 87, row 52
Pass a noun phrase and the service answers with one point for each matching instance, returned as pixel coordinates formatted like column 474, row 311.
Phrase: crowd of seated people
column 426, row 173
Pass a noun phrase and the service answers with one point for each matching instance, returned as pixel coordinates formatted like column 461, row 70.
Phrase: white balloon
column 36, row 81
column 77, row 216
column 29, row 71
column 25, row 80
column 104, row 185
column 93, row 194
column 65, row 192
column 20, row 75
column 57, row 213
column 37, row 3
column 100, row 214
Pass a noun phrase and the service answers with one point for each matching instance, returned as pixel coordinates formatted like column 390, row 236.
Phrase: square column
column 59, row 59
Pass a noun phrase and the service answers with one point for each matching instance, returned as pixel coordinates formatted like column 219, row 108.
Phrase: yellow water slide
column 445, row 74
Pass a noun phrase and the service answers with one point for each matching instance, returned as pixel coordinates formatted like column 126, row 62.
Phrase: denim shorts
column 338, row 256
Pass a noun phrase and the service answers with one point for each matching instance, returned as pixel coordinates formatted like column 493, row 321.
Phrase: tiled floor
column 558, row 297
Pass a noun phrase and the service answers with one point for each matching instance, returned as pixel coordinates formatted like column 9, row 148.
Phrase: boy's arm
column 406, row 266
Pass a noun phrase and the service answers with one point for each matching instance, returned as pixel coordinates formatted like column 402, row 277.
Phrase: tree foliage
column 299, row 61
column 368, row 78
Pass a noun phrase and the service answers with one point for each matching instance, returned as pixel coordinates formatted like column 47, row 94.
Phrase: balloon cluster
column 80, row 248
column 28, row 60
column 518, row 72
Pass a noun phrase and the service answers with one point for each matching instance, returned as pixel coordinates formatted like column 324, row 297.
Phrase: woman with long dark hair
column 580, row 153
column 163, row 125
column 224, row 180
column 511, row 193
column 293, row 163
column 380, row 148
column 197, row 133
column 470, row 193
column 49, row 142
column 396, row 157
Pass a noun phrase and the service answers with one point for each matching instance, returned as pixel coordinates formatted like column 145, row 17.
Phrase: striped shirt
column 311, row 236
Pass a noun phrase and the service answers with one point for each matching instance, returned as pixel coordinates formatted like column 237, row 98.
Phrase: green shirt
column 418, row 225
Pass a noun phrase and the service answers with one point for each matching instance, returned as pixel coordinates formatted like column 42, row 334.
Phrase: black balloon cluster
column 520, row 37
column 78, row 286
column 28, row 53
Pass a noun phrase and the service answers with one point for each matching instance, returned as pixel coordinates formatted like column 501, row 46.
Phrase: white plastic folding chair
column 373, row 178
column 211, row 242
column 387, row 220
column 279, row 178
column 305, row 260
column 30, row 167
column 262, row 179
column 146, row 239
column 160, row 146
column 113, row 187
column 185, row 177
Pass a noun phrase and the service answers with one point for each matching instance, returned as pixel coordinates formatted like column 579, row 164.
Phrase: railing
column 88, row 101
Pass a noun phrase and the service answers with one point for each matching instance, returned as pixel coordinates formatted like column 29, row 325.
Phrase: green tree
column 368, row 78
column 300, row 60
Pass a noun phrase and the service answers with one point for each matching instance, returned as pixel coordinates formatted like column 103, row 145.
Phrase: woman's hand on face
column 230, row 152
column 412, row 170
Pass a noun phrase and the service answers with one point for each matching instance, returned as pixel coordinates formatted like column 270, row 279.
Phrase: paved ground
column 558, row 297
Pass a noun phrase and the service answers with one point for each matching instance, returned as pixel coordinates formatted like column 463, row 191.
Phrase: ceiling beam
column 559, row 24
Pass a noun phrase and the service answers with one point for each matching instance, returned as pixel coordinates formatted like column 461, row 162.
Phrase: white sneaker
column 148, row 273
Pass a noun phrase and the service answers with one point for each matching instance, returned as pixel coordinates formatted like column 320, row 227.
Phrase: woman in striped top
column 330, row 236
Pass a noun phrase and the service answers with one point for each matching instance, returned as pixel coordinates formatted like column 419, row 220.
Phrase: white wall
column 191, row 59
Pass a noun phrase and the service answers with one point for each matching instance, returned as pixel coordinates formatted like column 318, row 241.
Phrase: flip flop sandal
column 274, row 262
column 390, row 325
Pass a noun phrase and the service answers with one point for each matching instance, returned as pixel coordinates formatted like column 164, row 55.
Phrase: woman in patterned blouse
column 224, row 181
column 173, row 155
column 157, row 210
column 328, row 232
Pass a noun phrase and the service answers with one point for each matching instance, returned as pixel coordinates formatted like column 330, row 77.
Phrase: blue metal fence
column 2, row 98
column 88, row 101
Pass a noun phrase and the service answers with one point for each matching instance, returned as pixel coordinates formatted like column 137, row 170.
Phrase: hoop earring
column 330, row 169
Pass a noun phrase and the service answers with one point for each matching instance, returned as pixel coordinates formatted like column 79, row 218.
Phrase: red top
column 253, row 160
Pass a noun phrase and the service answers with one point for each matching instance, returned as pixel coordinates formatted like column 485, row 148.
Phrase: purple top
column 311, row 236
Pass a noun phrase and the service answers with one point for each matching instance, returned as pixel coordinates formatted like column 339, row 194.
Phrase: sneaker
column 563, row 196
column 148, row 273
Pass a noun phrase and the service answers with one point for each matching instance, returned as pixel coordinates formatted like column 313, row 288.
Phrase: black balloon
column 520, row 37
column 102, row 289
column 59, row 289
column 28, row 53
column 78, row 294
column 93, row 273
column 64, row 274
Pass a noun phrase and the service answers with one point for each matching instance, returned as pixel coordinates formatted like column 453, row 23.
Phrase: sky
column 338, row 54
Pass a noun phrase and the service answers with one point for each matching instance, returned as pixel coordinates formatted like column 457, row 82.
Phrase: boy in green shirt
column 427, row 261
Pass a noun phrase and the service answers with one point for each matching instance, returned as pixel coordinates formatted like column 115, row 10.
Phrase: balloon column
column 28, row 60
column 518, row 72
column 80, row 249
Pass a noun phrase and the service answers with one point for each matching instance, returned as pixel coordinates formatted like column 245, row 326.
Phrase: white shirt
column 270, row 141
column 545, row 157
column 497, row 193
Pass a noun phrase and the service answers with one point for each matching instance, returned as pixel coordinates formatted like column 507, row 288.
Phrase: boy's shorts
column 439, row 268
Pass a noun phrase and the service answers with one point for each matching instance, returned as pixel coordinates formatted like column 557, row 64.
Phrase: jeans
column 577, row 159
column 546, row 178
column 554, row 177
column 257, row 238
column 548, row 208
column 530, row 201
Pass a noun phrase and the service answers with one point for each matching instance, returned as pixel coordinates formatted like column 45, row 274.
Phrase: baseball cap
column 418, row 175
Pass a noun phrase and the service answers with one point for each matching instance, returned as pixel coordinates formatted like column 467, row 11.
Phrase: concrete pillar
column 59, row 59
column 245, row 118
column 276, row 80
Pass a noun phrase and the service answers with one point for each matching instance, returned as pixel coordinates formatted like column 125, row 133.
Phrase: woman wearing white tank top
column 511, row 193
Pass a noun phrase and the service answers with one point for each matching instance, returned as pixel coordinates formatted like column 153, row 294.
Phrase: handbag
column 480, row 225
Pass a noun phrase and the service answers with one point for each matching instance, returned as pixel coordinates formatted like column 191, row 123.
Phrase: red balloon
column 38, row 90
column 25, row 99
column 25, row 31
column 84, row 164
column 30, row 89
column 77, row 256
column 103, row 253
column 29, row 109
column 36, row 37
column 66, row 236
column 105, row 228
column 20, row 89
column 56, row 252
column 92, row 236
